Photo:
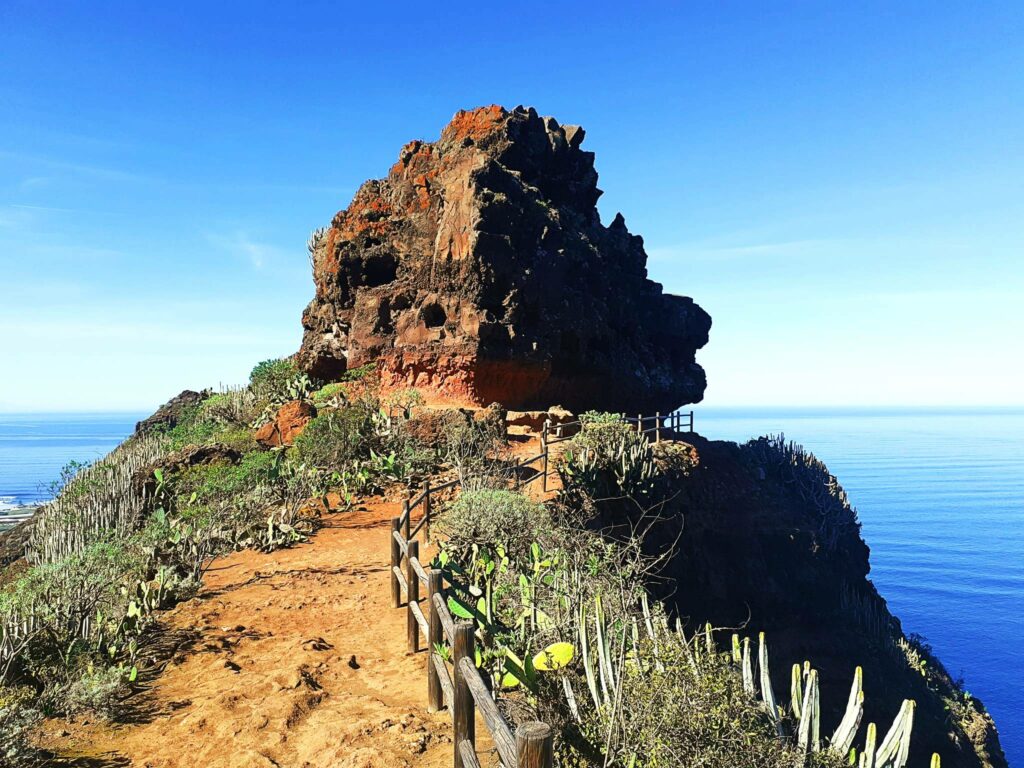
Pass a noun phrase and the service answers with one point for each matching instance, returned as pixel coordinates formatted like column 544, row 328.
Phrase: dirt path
column 300, row 662
column 293, row 658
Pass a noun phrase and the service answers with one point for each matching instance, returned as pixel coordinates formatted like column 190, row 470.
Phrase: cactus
column 605, row 675
column 767, row 692
column 867, row 757
column 809, row 730
column 842, row 739
column 895, row 747
column 795, row 690
column 748, row 672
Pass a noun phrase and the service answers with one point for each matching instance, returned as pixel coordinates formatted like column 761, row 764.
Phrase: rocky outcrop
column 144, row 480
column 170, row 413
column 479, row 271
column 533, row 421
column 287, row 424
column 753, row 541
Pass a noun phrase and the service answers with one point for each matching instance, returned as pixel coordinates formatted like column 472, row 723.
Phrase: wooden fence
column 461, row 688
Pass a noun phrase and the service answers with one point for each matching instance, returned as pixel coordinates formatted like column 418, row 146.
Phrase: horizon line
column 683, row 408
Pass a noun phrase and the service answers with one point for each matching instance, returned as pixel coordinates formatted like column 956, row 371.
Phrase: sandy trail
column 294, row 658
column 271, row 679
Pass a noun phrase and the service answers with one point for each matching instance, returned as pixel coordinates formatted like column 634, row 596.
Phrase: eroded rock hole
column 379, row 270
column 433, row 315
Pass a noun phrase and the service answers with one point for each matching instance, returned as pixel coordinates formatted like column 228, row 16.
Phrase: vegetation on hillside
column 558, row 592
column 135, row 532
column 568, row 635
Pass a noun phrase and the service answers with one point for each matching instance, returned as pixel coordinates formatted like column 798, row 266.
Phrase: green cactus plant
column 867, row 757
column 842, row 739
column 767, row 692
column 748, row 671
column 809, row 729
column 895, row 747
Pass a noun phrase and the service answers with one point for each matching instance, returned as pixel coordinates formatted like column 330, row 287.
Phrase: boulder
column 170, row 413
column 479, row 271
column 434, row 425
column 144, row 479
column 286, row 425
column 534, row 420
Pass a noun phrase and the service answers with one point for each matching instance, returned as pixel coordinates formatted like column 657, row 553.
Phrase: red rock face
column 479, row 271
column 287, row 425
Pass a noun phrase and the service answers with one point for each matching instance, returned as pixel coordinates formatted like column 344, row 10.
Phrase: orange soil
column 270, row 683
column 268, row 678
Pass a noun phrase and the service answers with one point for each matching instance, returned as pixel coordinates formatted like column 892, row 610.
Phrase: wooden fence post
column 465, row 722
column 412, row 626
column 691, row 421
column 396, row 561
column 407, row 517
column 544, row 478
column 427, row 509
column 640, row 423
column 544, row 446
column 435, row 636
column 657, row 426
column 534, row 746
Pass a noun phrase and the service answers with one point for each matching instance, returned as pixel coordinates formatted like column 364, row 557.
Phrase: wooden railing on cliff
column 462, row 689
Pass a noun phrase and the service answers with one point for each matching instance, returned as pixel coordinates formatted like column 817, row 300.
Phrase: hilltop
column 479, row 271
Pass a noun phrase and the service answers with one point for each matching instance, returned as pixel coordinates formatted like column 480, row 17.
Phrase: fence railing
column 461, row 688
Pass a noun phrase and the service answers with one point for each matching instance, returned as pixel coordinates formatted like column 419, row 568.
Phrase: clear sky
column 841, row 185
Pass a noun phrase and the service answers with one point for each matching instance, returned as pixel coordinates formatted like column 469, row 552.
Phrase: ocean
column 35, row 446
column 940, row 494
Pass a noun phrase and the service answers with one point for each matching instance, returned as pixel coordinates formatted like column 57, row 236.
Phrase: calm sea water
column 940, row 495
column 35, row 446
column 941, row 498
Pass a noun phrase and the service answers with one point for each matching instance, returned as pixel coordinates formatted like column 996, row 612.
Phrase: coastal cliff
column 476, row 273
column 478, row 270
column 763, row 538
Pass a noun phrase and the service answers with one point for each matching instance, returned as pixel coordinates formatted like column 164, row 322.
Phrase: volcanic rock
column 479, row 271
column 286, row 425
column 144, row 481
column 170, row 413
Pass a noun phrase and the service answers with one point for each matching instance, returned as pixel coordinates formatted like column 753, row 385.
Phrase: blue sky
column 841, row 185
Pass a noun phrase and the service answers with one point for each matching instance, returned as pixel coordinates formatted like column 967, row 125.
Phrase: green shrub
column 212, row 482
column 63, row 596
column 403, row 401
column 99, row 691
column 271, row 377
column 221, row 418
column 675, row 716
column 18, row 717
column 337, row 437
column 193, row 430
column 588, row 418
column 608, row 459
column 489, row 518
column 330, row 394
column 359, row 374
column 473, row 448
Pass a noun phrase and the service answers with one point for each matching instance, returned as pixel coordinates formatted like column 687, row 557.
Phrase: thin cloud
column 242, row 245
column 14, row 218
column 95, row 171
